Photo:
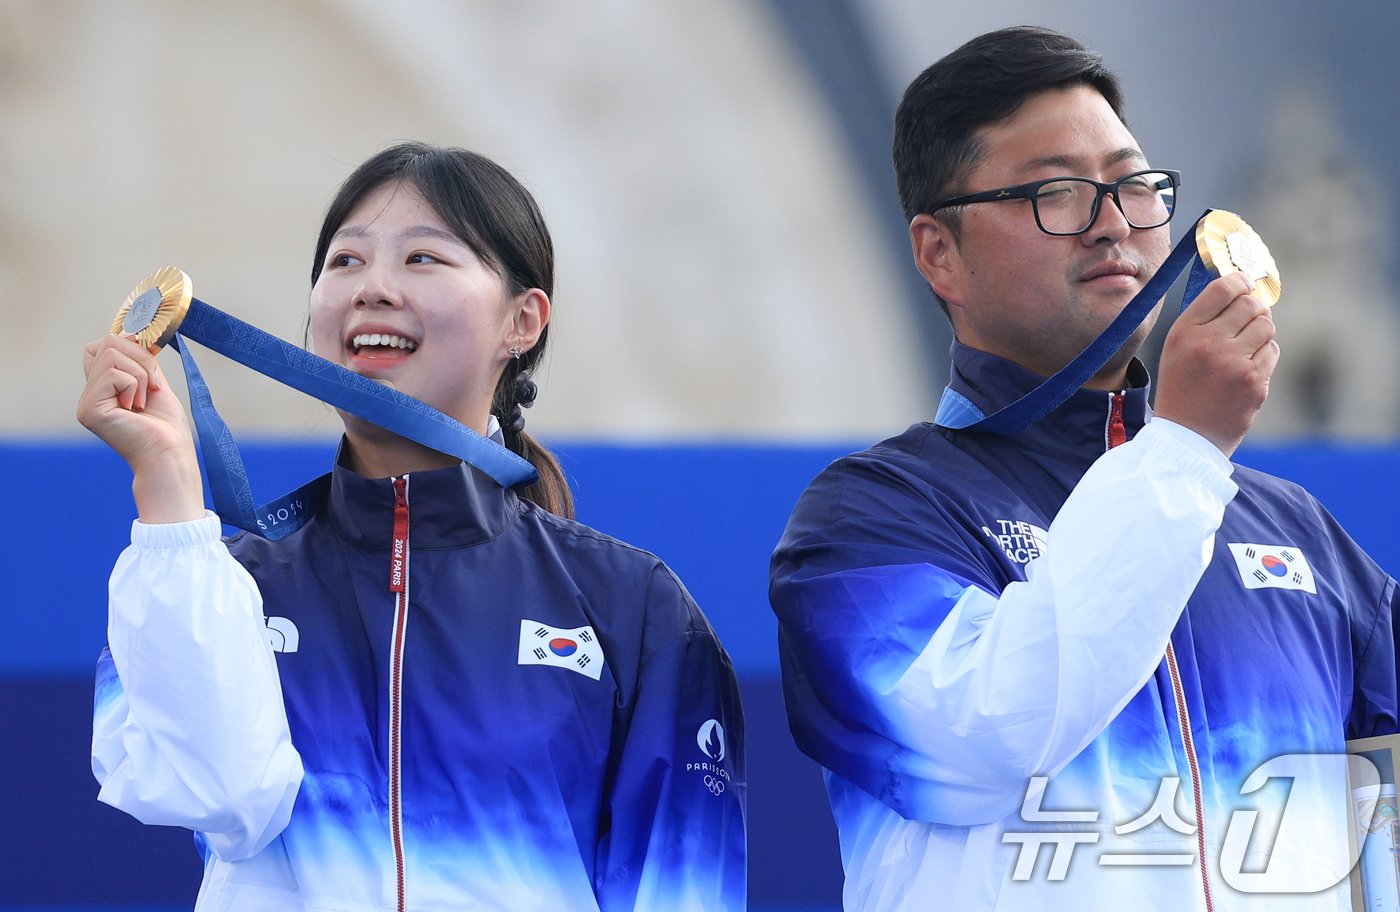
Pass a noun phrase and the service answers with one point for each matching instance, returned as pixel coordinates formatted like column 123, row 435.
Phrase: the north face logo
column 1023, row 542
column 282, row 634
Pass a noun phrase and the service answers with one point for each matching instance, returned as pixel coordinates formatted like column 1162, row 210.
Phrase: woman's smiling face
column 401, row 299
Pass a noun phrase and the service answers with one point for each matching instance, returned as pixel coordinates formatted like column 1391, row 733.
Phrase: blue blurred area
column 712, row 512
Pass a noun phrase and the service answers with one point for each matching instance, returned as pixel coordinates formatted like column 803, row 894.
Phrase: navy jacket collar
column 992, row 382
column 448, row 508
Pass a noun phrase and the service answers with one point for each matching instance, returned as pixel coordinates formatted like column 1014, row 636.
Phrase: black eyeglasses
column 1070, row 205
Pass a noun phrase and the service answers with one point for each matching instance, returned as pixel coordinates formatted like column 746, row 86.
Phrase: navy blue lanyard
column 328, row 382
column 959, row 413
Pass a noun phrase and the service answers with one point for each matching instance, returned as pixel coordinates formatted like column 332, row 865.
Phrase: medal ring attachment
column 1227, row 244
column 155, row 308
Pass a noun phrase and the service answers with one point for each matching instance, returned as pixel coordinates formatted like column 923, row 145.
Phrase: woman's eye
column 345, row 259
column 416, row 258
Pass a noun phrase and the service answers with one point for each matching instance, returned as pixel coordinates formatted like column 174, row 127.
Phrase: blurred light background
column 735, row 302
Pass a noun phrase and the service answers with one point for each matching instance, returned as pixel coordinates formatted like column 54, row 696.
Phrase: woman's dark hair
column 980, row 83
column 499, row 220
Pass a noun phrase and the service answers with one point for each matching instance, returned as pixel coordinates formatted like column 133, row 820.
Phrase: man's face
column 1037, row 299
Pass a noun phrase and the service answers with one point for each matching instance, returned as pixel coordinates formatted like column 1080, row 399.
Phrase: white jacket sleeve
column 942, row 696
column 189, row 725
column 1029, row 678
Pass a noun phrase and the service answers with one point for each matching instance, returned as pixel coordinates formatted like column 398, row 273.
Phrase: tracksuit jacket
column 432, row 696
column 1045, row 671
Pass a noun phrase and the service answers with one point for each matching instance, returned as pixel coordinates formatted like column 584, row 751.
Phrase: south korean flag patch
column 576, row 649
column 1273, row 567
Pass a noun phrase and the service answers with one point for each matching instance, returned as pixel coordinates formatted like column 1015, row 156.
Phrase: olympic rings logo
column 714, row 784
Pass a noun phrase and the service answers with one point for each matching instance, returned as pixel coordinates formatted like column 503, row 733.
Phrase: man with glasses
column 1050, row 667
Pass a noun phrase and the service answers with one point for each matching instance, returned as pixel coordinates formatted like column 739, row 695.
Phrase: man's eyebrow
column 1127, row 153
column 1073, row 162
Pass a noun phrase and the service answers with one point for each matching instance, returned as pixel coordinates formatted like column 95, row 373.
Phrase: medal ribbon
column 328, row 382
column 957, row 412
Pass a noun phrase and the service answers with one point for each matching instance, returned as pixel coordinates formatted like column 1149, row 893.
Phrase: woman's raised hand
column 128, row 404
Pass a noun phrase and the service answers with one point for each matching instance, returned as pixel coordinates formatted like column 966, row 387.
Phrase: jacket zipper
column 1115, row 434
column 398, row 584
column 1183, row 719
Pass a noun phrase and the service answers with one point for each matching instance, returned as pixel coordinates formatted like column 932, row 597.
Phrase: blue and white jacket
column 1041, row 675
column 433, row 696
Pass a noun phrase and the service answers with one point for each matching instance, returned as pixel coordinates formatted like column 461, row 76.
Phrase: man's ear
column 937, row 257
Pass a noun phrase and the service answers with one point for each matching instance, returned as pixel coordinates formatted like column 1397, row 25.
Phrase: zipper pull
column 398, row 557
column 1117, row 431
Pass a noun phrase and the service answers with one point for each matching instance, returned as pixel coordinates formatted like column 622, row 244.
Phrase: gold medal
column 1227, row 244
column 156, row 306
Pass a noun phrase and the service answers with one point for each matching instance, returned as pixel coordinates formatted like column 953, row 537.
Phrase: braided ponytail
column 515, row 392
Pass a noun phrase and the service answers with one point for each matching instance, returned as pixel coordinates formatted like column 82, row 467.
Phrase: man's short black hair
column 980, row 83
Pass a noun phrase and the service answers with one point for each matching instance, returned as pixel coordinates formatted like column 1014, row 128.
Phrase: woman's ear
column 529, row 316
column 937, row 257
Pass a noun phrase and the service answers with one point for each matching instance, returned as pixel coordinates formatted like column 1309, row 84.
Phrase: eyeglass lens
column 1067, row 206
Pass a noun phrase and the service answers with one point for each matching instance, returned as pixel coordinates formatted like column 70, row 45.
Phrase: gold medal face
column 156, row 306
column 1227, row 244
